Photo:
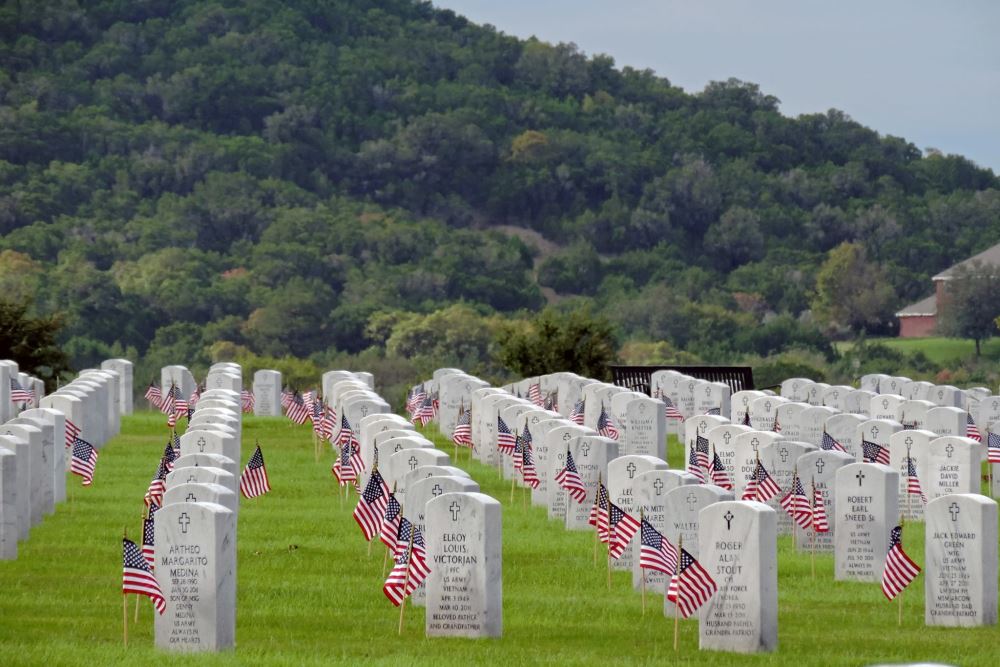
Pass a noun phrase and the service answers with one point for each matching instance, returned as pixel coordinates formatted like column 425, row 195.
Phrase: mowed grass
column 938, row 350
column 310, row 594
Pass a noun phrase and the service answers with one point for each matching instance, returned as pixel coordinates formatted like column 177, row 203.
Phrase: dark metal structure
column 637, row 378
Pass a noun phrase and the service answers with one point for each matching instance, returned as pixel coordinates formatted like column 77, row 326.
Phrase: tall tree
column 576, row 341
column 852, row 292
column 31, row 342
column 971, row 303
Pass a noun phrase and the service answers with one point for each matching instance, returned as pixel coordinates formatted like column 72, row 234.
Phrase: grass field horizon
column 938, row 349
column 309, row 594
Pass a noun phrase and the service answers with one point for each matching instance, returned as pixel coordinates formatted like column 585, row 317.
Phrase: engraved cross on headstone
column 183, row 520
column 413, row 462
column 190, row 498
column 728, row 516
column 437, row 490
column 755, row 443
column 631, row 470
column 820, row 464
column 950, row 449
column 767, row 407
column 658, row 486
column 585, row 448
column 954, row 510
column 860, row 477
column 691, row 500
column 908, row 442
column 201, row 444
column 874, row 432
column 702, row 426
column 454, row 508
column 190, row 478
column 783, row 452
column 727, row 436
column 708, row 391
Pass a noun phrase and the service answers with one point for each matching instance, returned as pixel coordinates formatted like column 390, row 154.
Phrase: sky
column 925, row 71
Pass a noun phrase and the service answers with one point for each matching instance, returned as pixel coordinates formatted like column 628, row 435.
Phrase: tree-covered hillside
column 299, row 177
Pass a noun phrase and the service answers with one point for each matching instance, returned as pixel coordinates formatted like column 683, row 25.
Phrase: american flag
column 72, row 432
column 247, row 401
column 622, row 527
column 599, row 512
column 912, row 481
column 425, row 411
column 535, row 394
column 348, row 466
column 655, row 550
column 670, row 409
column 308, row 398
column 874, row 452
column 569, row 479
column 971, row 430
column 796, row 503
column 137, row 577
column 390, row 523
column 518, row 451
column 297, row 410
column 899, row 569
column 993, row 447
column 194, row 398
column 528, row 470
column 19, row 394
column 701, row 450
column 84, row 460
column 154, row 396
column 506, row 441
column 253, row 481
column 691, row 586
column 720, row 477
column 576, row 415
column 694, row 466
column 316, row 413
column 761, row 485
column 169, row 456
column 777, row 425
column 286, row 397
column 346, row 434
column 167, row 400
column 829, row 444
column 714, row 411
column 415, row 400
column 819, row 521
column 148, row 536
column 157, row 485
column 606, row 425
column 746, row 417
column 371, row 505
column 462, row 435
column 411, row 566
column 435, row 404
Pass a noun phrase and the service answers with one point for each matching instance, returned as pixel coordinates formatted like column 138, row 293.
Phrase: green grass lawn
column 309, row 593
column 938, row 350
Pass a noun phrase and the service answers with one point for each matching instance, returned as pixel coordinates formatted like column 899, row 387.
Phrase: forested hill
column 293, row 176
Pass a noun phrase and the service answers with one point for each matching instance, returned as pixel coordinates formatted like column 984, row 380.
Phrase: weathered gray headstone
column 787, row 416
column 124, row 368
column 858, row 402
column 43, row 495
column 949, row 464
column 419, row 494
column 947, row 421
column 8, row 504
column 746, row 449
column 645, row 427
column 39, row 472
column 812, row 421
column 781, row 458
column 818, row 469
column 764, row 412
column 465, row 584
column 910, row 443
column 22, row 479
column 740, row 405
column 867, row 506
column 196, row 570
column 267, row 393
column 592, row 454
column 713, row 398
column 622, row 472
column 396, row 466
column 210, row 440
column 738, row 548
column 960, row 561
column 843, row 428
column 558, row 440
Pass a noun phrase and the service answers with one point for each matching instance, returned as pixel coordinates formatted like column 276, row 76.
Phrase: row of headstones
column 652, row 484
column 34, row 449
column 196, row 527
column 9, row 371
column 463, row 592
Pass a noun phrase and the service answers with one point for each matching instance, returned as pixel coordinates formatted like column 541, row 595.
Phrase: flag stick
column 406, row 581
column 677, row 608
column 812, row 533
column 609, row 560
column 641, row 570
column 136, row 618
column 901, row 520
column 125, row 604
column 513, row 478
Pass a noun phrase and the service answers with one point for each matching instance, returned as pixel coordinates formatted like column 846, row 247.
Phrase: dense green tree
column 970, row 305
column 576, row 341
column 852, row 293
column 31, row 341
